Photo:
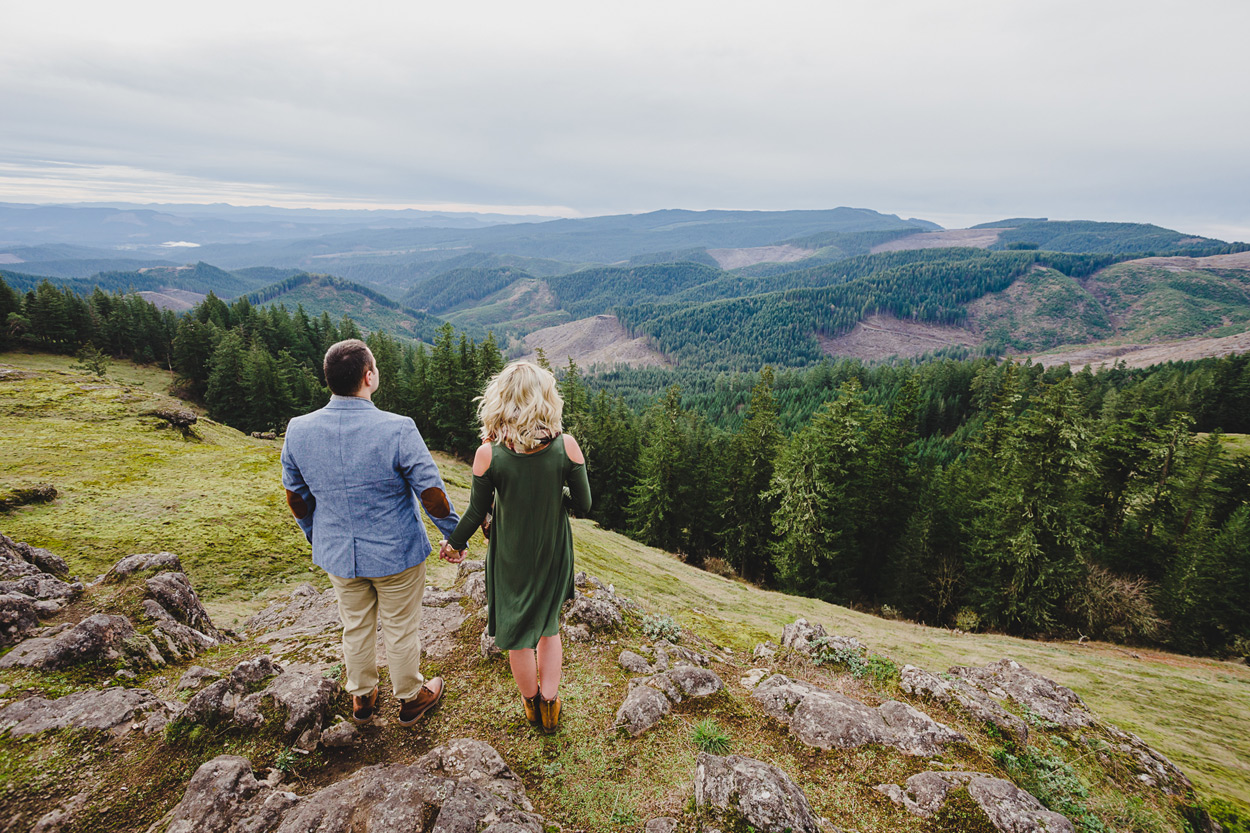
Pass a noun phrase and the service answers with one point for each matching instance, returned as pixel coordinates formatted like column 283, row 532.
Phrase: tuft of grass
column 709, row 737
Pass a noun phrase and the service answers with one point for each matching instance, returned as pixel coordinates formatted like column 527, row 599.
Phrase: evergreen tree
column 1031, row 539
column 226, row 394
column 750, row 505
column 656, row 514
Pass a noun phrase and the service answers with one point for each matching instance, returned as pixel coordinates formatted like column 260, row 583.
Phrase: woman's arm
column 481, row 496
column 578, row 483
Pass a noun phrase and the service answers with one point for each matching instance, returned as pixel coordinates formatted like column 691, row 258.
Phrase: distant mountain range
column 713, row 289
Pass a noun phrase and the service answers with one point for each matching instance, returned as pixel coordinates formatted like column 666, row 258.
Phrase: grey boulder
column 194, row 677
column 143, row 563
column 596, row 613
column 305, row 699
column 634, row 663
column 43, row 587
column 1045, row 698
column 18, row 618
column 42, row 560
column 800, row 634
column 173, row 592
column 957, row 693
column 735, row 791
column 650, row 698
column 1009, row 808
column 475, row 587
column 461, row 786
column 829, row 720
column 643, row 708
column 99, row 638
column 113, row 710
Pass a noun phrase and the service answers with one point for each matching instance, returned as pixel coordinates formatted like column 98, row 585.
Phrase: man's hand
column 449, row 553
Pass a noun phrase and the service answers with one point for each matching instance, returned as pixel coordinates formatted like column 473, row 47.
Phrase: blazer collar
column 337, row 401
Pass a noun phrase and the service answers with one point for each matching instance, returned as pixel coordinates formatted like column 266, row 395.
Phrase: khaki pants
column 396, row 600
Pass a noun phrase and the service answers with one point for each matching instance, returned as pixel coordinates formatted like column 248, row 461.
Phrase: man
column 353, row 475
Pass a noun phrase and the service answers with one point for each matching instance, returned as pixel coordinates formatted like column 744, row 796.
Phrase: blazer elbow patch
column 435, row 502
column 298, row 507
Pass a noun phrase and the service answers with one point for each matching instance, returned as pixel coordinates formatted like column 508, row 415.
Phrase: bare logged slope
column 882, row 336
column 977, row 238
column 597, row 340
column 1145, row 355
column 737, row 258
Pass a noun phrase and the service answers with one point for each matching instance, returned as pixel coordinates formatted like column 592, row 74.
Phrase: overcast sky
column 958, row 111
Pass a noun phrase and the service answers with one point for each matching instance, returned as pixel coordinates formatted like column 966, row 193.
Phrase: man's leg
column 358, row 608
column 399, row 608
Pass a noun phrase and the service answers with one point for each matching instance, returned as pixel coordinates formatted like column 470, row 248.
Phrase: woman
column 523, row 466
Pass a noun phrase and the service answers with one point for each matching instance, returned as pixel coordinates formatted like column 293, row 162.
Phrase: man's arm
column 421, row 473
column 298, row 496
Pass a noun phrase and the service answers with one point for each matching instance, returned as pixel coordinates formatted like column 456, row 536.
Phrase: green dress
column 529, row 560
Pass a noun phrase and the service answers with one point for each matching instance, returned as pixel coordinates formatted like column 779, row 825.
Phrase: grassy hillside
column 128, row 486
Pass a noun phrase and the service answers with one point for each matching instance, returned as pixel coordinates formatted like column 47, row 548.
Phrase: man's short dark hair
column 345, row 366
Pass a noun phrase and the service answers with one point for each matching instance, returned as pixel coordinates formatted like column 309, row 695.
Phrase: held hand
column 447, row 553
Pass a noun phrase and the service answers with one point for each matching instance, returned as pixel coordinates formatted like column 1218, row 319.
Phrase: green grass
column 127, row 486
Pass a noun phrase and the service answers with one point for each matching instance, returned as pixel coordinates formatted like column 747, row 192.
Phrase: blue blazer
column 363, row 471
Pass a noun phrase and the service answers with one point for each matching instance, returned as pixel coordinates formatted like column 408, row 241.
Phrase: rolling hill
column 370, row 310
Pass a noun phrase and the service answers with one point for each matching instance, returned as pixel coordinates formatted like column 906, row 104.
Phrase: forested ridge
column 976, row 494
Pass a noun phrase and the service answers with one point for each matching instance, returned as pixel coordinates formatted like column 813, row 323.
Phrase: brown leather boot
column 364, row 707
column 410, row 711
column 550, row 712
column 532, row 709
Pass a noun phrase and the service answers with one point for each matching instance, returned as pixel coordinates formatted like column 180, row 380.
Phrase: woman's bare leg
column 550, row 660
column 525, row 670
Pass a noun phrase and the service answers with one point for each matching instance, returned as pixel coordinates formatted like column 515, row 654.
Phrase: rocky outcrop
column 303, row 698
column 475, row 588
column 954, row 692
column 596, row 613
column 828, row 720
column 463, row 785
column 1047, row 699
column 800, row 634
column 643, row 708
column 665, row 655
column 650, row 698
column 194, row 677
column 13, row 553
column 116, row 710
column 103, row 638
column 30, row 589
column 1009, row 808
column 18, row 617
column 174, row 593
column 736, row 792
column 1153, row 768
column 157, row 562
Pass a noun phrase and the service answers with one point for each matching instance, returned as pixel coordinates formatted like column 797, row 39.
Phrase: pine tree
column 226, row 394
column 750, row 505
column 656, row 513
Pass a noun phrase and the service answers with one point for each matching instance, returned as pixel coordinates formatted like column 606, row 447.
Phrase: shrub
column 967, row 619
column 660, row 626
column 1114, row 607
column 710, row 737
column 720, row 567
column 882, row 669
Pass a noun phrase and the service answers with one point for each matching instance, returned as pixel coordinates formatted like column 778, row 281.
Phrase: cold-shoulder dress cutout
column 529, row 559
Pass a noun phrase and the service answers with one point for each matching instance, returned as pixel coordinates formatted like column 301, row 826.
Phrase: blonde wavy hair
column 521, row 406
